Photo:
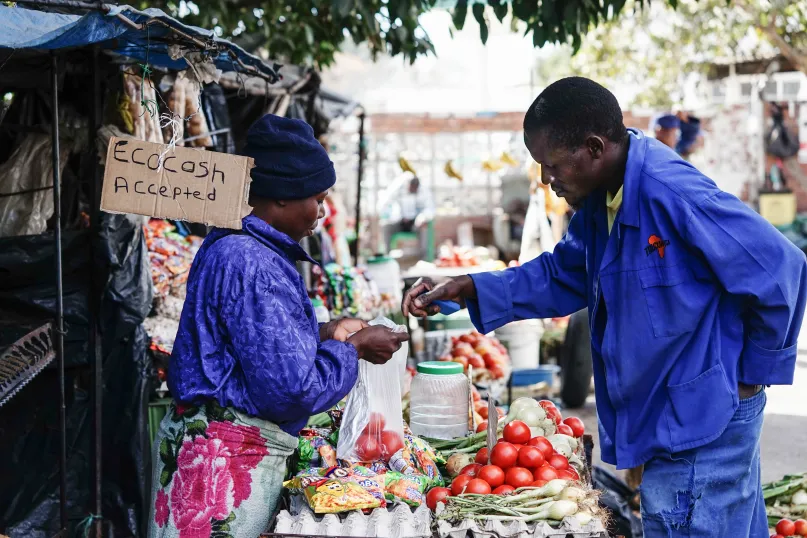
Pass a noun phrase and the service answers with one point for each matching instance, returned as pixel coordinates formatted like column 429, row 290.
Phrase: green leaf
column 343, row 7
column 166, row 454
column 479, row 15
column 499, row 8
column 195, row 427
column 167, row 474
column 460, row 12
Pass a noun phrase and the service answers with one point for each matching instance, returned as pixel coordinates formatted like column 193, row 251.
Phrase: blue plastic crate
column 543, row 374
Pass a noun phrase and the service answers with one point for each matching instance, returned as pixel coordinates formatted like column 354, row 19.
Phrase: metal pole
column 358, row 187
column 59, row 333
column 95, row 303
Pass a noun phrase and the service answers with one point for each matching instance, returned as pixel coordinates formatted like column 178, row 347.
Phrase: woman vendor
column 250, row 364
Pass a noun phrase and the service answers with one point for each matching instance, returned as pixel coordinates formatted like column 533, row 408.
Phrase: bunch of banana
column 492, row 165
column 451, row 171
column 508, row 159
column 404, row 164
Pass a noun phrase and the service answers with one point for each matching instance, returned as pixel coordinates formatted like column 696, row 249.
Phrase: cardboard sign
column 182, row 184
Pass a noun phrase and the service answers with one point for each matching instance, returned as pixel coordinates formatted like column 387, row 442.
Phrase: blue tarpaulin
column 144, row 36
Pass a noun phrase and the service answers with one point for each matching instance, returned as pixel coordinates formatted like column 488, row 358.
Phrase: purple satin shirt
column 248, row 337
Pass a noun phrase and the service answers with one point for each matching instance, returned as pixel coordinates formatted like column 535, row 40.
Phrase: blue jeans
column 714, row 490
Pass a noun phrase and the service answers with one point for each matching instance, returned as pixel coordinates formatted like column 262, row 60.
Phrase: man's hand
column 340, row 329
column 418, row 299
column 376, row 344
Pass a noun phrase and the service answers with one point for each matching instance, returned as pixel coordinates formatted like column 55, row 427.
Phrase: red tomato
column 459, row 483
column 565, row 430
column 476, row 361
column 468, row 338
column 391, row 443
column 483, row 411
column 542, row 444
column 517, row 433
column 461, row 360
column 801, row 527
column 367, row 448
column 568, row 474
column 558, row 461
column 546, row 473
column 518, row 477
column 530, row 457
column 500, row 412
column 504, row 455
column 375, row 424
column 785, row 527
column 554, row 414
column 504, row 490
column 483, row 426
column 496, row 372
column 777, row 536
column 546, row 404
column 492, row 474
column 478, row 486
column 578, row 429
column 482, row 456
column 471, row 470
column 538, row 483
column 436, row 495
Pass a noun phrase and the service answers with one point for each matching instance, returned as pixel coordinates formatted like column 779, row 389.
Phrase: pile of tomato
column 516, row 461
column 785, row 527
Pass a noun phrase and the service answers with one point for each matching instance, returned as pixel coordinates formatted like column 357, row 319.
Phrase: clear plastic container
column 439, row 401
column 320, row 310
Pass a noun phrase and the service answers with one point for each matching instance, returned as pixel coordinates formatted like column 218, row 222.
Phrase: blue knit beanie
column 668, row 121
column 290, row 164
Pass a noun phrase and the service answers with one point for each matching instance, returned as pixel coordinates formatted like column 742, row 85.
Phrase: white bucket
column 523, row 342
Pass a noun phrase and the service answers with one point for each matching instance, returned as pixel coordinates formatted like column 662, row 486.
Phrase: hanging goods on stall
column 23, row 360
column 440, row 405
column 372, row 424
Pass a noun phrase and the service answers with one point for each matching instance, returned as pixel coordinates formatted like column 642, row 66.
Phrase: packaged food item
column 333, row 490
column 423, row 458
column 407, row 488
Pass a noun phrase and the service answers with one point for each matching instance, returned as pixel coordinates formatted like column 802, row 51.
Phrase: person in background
column 691, row 139
column 250, row 364
column 537, row 236
column 695, row 304
column 406, row 205
column 666, row 129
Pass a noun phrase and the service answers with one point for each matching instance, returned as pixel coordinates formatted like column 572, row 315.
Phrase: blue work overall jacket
column 690, row 294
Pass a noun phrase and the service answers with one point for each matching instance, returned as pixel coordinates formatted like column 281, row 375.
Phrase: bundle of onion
column 555, row 501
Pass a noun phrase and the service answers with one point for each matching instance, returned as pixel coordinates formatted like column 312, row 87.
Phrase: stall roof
column 148, row 35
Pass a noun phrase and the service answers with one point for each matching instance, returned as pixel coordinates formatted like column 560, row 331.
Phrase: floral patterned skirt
column 218, row 473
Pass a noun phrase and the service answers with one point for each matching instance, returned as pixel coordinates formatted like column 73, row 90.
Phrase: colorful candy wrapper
column 408, row 489
column 334, row 490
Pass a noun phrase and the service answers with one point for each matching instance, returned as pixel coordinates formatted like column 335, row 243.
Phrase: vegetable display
column 786, row 499
column 486, row 355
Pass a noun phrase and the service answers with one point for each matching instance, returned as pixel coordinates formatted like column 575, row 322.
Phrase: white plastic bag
column 372, row 423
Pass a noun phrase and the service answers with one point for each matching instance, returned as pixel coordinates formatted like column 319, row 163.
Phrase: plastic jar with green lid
column 439, row 400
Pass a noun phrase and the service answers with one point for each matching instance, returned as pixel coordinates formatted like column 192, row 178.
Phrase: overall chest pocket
column 675, row 299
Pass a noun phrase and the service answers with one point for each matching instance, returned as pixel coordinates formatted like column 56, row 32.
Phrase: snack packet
column 406, row 488
column 335, row 490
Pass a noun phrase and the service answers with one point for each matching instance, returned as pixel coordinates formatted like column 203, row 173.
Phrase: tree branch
column 795, row 56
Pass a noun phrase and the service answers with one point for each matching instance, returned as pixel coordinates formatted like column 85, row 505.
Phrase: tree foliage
column 654, row 50
column 311, row 32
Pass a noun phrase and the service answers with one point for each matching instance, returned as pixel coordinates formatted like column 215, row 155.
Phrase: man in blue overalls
column 695, row 303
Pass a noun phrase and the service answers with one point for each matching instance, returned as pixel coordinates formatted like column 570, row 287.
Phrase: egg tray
column 397, row 521
column 569, row 528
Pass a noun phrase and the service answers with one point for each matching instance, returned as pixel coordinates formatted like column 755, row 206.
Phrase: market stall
column 431, row 465
column 74, row 75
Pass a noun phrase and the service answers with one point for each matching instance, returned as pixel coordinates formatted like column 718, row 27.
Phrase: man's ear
column 595, row 146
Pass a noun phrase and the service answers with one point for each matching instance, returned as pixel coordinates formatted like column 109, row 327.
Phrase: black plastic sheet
column 29, row 426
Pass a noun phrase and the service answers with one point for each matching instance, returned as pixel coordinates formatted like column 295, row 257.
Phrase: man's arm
column 753, row 260
column 553, row 284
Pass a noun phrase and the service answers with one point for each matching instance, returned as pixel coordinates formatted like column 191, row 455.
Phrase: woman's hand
column 340, row 329
column 376, row 344
column 418, row 299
